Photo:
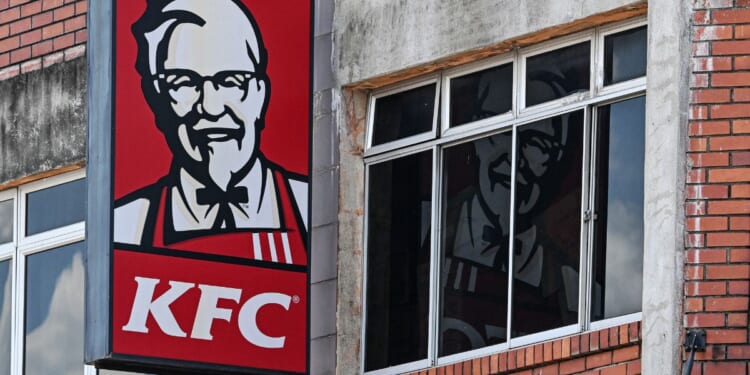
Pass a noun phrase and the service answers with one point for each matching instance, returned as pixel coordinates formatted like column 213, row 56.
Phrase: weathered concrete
column 43, row 120
column 376, row 37
column 665, row 170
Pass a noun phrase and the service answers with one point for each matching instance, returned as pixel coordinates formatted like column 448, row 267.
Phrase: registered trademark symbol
column 295, row 299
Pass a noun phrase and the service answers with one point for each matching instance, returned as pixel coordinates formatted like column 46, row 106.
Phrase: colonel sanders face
column 207, row 64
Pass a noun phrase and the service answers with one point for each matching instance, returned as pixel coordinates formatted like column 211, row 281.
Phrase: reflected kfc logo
column 207, row 311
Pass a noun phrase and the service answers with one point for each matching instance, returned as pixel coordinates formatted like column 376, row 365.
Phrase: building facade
column 498, row 186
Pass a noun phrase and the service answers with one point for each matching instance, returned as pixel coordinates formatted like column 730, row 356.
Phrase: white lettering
column 208, row 309
column 144, row 304
column 249, row 325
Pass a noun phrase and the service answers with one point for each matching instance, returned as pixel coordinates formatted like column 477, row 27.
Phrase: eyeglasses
column 185, row 86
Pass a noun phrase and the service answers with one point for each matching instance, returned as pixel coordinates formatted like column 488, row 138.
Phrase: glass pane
column 398, row 261
column 547, row 228
column 475, row 242
column 6, row 221
column 482, row 94
column 558, row 73
column 54, row 311
column 625, row 55
column 5, row 309
column 618, row 236
column 56, row 207
column 404, row 114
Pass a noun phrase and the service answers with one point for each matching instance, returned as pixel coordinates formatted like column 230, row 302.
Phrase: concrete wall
column 43, row 120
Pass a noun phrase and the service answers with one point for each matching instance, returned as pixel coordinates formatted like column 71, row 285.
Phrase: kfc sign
column 209, row 186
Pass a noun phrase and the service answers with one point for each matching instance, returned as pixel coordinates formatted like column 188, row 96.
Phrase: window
column 42, row 277
column 504, row 201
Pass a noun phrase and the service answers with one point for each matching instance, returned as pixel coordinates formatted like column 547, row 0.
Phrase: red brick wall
column 39, row 33
column 613, row 351
column 717, row 267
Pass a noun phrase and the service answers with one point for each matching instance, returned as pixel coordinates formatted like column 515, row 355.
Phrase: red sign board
column 210, row 184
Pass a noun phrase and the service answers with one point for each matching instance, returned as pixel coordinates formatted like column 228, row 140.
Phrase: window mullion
column 588, row 219
column 511, row 234
column 433, row 343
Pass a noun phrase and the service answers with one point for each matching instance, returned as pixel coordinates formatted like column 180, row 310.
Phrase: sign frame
column 99, row 290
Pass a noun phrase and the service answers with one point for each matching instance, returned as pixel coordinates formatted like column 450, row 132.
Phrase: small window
column 6, row 221
column 404, row 114
column 625, row 55
column 481, row 95
column 559, row 73
column 55, row 207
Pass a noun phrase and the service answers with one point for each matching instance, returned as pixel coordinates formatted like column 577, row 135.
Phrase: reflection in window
column 5, row 308
column 618, row 236
column 546, row 252
column 476, row 233
column 625, row 55
column 558, row 73
column 6, row 221
column 481, row 95
column 398, row 261
column 404, row 114
column 54, row 311
column 56, row 207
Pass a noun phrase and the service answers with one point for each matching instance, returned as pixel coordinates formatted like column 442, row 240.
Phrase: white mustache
column 225, row 122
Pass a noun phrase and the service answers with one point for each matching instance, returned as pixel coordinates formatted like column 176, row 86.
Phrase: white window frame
column 24, row 246
column 520, row 115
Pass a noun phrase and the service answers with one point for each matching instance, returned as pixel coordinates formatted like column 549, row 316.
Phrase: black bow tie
column 213, row 196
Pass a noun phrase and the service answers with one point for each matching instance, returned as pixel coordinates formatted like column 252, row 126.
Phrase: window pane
column 476, row 234
column 5, row 309
column 56, row 207
column 404, row 114
column 398, row 261
column 618, row 236
column 558, row 73
column 54, row 311
column 547, row 224
column 625, row 55
column 482, row 94
column 6, row 221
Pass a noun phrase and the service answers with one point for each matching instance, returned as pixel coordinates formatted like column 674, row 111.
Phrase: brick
column 738, row 352
column 594, row 341
column 42, row 19
column 20, row 54
column 63, row 41
column 698, row 80
column 31, row 8
column 598, row 360
column 727, row 272
column 623, row 334
column 584, row 343
column 696, row 176
column 75, row 52
column 710, row 96
column 10, row 15
column 737, row 320
column 547, row 351
column 572, row 366
column 705, row 288
column 20, row 26
column 4, row 31
column 727, row 303
column 49, row 4
column 712, row 32
column 538, row 353
column 466, row 368
column 707, row 224
column 698, row 112
column 733, row 79
column 529, row 356
column 731, row 16
column 728, row 239
column 739, row 223
column 706, row 320
column 713, row 159
column 742, row 32
column 575, row 345
column 740, row 191
column 476, row 367
column 512, row 357
column 704, row 49
column 31, row 37
column 633, row 332
column 729, row 175
column 693, row 272
column 520, row 358
column 742, row 62
column 740, row 126
column 706, row 256
column 81, row 7
column 18, row 2
column 741, row 159
column 31, row 65
column 694, row 240
column 52, row 59
column 741, row 95
column 724, row 368
column 67, row 12
column 697, row 144
column 77, row 23
column 10, row 72
column 626, row 354
column 4, row 59
column 502, row 362
column 634, row 368
column 729, row 207
column 730, row 143
column 604, row 339
column 727, row 111
column 42, row 48
column 699, row 128
column 53, row 30
column 614, row 370
column 566, row 347
column 553, row 369
column 81, row 36
column 494, row 365
column 739, row 255
column 614, row 334
column 741, row 288
column 726, row 336
column 703, row 4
